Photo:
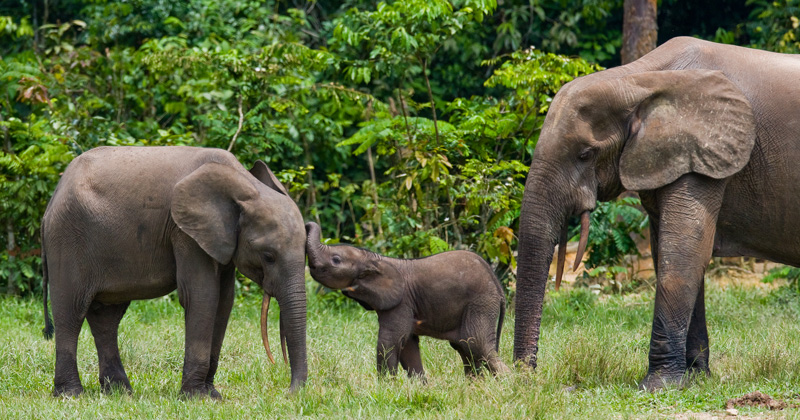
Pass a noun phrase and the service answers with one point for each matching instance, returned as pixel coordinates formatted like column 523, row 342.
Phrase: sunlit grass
column 593, row 352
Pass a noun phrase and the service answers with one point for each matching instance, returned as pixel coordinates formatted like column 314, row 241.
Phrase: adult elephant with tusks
column 709, row 136
column 130, row 223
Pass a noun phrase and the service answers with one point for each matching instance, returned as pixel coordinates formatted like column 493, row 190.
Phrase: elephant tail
column 48, row 330
column 500, row 325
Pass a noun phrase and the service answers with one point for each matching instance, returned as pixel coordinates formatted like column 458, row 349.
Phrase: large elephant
column 452, row 296
column 709, row 136
column 131, row 223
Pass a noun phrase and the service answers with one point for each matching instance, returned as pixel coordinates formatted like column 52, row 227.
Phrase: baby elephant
column 453, row 296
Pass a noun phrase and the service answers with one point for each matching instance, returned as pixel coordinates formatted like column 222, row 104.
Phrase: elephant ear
column 206, row 206
column 262, row 173
column 687, row 121
column 378, row 285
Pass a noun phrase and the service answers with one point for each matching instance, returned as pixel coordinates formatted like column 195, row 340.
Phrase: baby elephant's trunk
column 314, row 248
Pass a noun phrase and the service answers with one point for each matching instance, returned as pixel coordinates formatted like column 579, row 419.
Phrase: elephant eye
column 336, row 260
column 269, row 257
column 586, row 154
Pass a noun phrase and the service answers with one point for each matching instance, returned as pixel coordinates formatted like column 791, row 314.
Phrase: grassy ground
column 593, row 352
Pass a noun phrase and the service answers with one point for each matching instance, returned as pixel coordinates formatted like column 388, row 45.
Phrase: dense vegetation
column 405, row 127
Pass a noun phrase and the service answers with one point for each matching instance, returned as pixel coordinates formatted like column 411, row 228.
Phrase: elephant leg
column 410, row 358
column 224, row 306
column 688, row 210
column 69, row 311
column 199, row 294
column 479, row 337
column 104, row 322
column 395, row 327
column 697, row 338
column 467, row 359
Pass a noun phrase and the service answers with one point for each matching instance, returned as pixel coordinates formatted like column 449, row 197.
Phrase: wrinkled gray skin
column 709, row 136
column 452, row 296
column 130, row 223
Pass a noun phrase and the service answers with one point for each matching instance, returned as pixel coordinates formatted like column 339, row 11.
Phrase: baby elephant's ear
column 262, row 173
column 380, row 285
column 205, row 205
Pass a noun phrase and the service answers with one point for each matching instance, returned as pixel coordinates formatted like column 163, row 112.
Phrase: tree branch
column 241, row 121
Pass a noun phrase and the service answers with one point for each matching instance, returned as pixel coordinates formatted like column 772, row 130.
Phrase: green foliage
column 455, row 179
column 775, row 25
column 791, row 274
column 771, row 25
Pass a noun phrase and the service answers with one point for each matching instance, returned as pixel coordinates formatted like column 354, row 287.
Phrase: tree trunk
column 639, row 29
column 312, row 190
column 11, row 242
column 377, row 219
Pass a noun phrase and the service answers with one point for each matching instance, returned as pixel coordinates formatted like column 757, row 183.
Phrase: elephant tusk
column 264, row 338
column 350, row 289
column 283, row 344
column 562, row 254
column 584, row 239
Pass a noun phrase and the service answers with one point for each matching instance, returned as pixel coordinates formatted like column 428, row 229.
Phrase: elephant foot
column 109, row 386
column 658, row 381
column 201, row 392
column 69, row 391
column 213, row 393
column 419, row 377
column 114, row 381
column 698, row 372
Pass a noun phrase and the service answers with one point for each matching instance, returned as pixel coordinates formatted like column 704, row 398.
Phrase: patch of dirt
column 756, row 399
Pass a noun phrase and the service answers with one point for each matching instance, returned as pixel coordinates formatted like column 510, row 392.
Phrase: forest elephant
column 128, row 223
column 452, row 296
column 709, row 136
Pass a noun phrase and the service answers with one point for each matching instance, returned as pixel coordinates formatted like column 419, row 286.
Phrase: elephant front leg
column 199, row 294
column 395, row 327
column 697, row 353
column 688, row 212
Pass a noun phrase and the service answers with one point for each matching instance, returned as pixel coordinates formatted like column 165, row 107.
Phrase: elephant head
column 365, row 276
column 249, row 219
column 612, row 131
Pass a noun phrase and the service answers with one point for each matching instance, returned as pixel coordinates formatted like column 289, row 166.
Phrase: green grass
column 593, row 351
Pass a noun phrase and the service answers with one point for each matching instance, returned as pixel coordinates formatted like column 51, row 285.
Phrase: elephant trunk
column 292, row 301
column 543, row 225
column 315, row 250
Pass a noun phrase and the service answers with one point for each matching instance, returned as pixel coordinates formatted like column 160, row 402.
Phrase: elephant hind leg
column 104, row 321
column 220, row 325
column 466, row 359
column 410, row 358
column 478, row 340
column 69, row 312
